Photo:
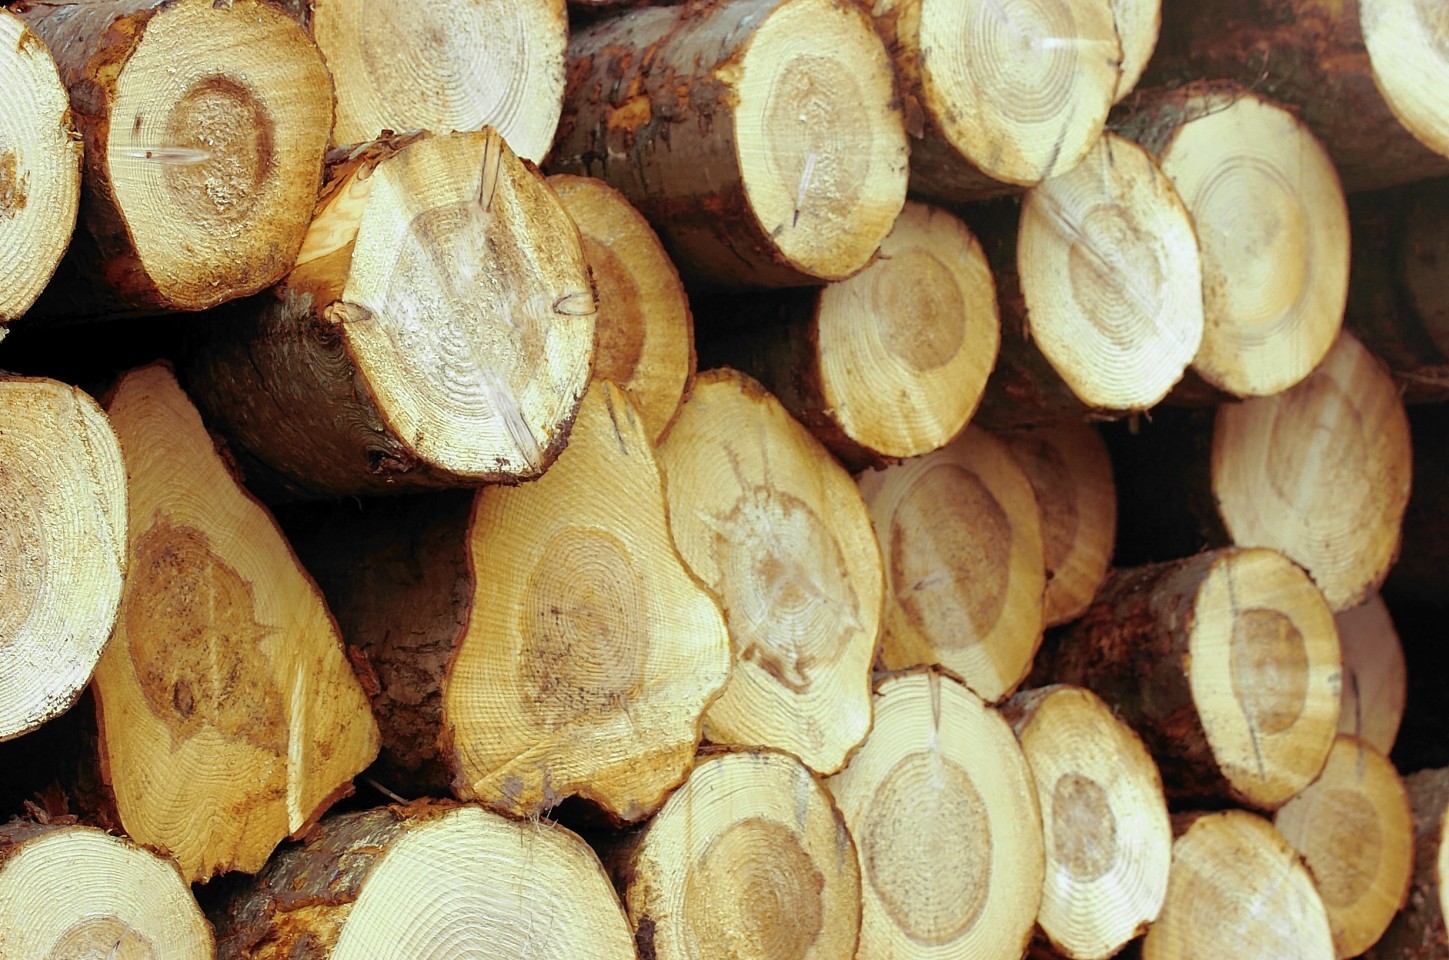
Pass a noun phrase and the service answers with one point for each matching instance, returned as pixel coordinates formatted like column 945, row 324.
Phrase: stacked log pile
column 739, row 479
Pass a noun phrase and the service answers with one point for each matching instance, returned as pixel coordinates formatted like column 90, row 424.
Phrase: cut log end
column 906, row 345
column 1419, row 932
column 1112, row 278
column 1265, row 669
column 432, row 66
column 1408, row 46
column 216, row 135
column 1020, row 91
column 1234, row 882
column 228, row 716
column 70, row 891
column 1320, row 472
column 430, row 880
column 775, row 527
column 40, row 168
column 1375, row 681
column 1273, row 226
column 944, row 812
column 1138, row 24
column 1354, row 829
column 818, row 139
column 960, row 532
column 749, row 859
column 591, row 652
column 63, row 534
column 1071, row 473
column 1107, row 836
column 646, row 334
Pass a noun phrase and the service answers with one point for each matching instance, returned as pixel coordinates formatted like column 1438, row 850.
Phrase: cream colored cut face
column 444, row 65
column 62, row 534
column 1110, row 272
column 1265, row 676
column 817, row 138
column 1021, row 89
column 907, row 344
column 457, row 294
column 477, row 884
column 39, row 169
column 78, row 894
column 231, row 150
column 1374, row 678
column 1408, row 45
column 1273, row 228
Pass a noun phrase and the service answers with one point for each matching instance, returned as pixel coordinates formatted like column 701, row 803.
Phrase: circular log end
column 906, row 345
column 1264, row 672
column 1375, row 681
column 40, row 168
column 1107, row 834
column 1273, row 228
column 63, row 532
column 1408, row 46
column 1320, row 472
column 960, row 532
column 942, row 806
column 820, row 141
column 748, row 860
column 1236, row 881
column 217, row 131
column 1112, row 277
column 1138, row 25
column 1355, row 831
column 407, row 65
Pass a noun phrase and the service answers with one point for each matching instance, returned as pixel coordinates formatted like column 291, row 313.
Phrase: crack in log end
column 194, row 641
column 14, row 185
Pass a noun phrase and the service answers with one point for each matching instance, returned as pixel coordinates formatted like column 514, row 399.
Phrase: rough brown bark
column 1418, row 932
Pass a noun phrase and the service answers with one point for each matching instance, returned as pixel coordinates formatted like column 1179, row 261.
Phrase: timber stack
column 724, row 479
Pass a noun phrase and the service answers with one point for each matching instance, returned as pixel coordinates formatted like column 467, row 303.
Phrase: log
column 399, row 65
column 1139, row 23
column 645, row 330
column 890, row 363
column 998, row 97
column 63, row 536
column 748, row 859
column 70, row 890
column 1320, row 472
column 1106, row 833
column 1071, row 475
column 776, row 529
column 1418, row 932
column 204, row 127
column 1355, row 832
column 1398, row 304
column 944, row 814
column 525, row 644
column 761, row 160
column 1375, row 683
column 1101, row 292
column 40, row 169
column 1271, row 222
column 228, row 716
column 960, row 532
column 437, row 329
column 429, row 880
column 1237, row 886
column 1384, row 116
column 1226, row 663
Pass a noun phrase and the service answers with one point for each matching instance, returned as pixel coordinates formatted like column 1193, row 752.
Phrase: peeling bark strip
column 228, row 716
column 74, row 891
column 204, row 127
column 760, row 137
column 429, row 880
column 1384, row 116
column 63, row 544
column 437, row 329
column 1227, row 664
column 40, row 168
column 524, row 644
